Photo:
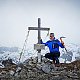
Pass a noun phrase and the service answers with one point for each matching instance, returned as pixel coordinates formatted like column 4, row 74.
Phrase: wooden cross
column 39, row 28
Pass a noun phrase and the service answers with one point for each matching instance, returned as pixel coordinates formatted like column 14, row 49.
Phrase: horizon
column 61, row 16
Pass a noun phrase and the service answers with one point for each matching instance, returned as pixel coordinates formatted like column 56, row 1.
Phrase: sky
column 61, row 16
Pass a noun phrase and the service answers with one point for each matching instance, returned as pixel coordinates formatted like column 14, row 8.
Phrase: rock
column 31, row 74
column 73, row 75
column 45, row 60
column 16, row 74
column 26, row 62
column 39, row 66
column 30, row 70
column 11, row 72
column 3, row 72
column 59, row 68
column 46, row 68
column 23, row 75
column 18, row 69
column 7, row 63
column 77, row 58
column 35, row 60
column 1, row 65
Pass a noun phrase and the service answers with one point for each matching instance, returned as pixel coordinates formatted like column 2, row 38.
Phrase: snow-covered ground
column 72, row 49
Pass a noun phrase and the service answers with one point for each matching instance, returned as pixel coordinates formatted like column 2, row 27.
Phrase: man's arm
column 61, row 44
column 43, row 42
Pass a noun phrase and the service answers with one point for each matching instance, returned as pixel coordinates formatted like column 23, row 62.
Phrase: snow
column 30, row 52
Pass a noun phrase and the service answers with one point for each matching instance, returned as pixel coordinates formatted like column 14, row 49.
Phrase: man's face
column 51, row 37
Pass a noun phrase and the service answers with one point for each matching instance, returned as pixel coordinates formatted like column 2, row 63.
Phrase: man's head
column 52, row 36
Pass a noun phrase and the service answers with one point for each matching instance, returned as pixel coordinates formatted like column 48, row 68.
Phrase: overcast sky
column 61, row 16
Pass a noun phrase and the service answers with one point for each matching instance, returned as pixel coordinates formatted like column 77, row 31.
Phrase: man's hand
column 61, row 41
column 40, row 40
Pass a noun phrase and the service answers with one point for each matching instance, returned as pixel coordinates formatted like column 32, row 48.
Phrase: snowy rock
column 7, row 63
column 11, row 72
column 43, row 71
column 35, row 60
column 18, row 69
column 16, row 74
column 45, row 60
column 1, row 65
column 46, row 68
column 39, row 66
column 77, row 58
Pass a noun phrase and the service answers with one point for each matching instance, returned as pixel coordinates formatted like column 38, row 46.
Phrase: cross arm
column 36, row 28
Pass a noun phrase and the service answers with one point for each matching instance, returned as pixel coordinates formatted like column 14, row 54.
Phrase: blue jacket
column 53, row 45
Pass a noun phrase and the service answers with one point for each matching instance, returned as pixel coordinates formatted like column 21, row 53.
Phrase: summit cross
column 39, row 28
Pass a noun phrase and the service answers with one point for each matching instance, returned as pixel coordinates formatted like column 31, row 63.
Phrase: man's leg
column 53, row 56
column 57, row 60
column 48, row 55
column 57, row 55
column 53, row 61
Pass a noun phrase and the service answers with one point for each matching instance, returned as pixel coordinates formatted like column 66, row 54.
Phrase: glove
column 41, row 41
column 61, row 41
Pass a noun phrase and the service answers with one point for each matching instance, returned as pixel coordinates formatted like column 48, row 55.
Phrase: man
column 53, row 45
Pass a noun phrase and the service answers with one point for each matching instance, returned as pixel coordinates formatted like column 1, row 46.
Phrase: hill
column 31, row 70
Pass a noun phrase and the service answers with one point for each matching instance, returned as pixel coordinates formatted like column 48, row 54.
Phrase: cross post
column 39, row 28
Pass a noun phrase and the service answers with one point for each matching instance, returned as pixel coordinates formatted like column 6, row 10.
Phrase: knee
column 46, row 55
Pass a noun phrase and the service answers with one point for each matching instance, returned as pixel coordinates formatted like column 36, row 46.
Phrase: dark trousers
column 53, row 56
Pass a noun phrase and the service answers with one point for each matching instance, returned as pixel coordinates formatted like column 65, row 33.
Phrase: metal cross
column 39, row 28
